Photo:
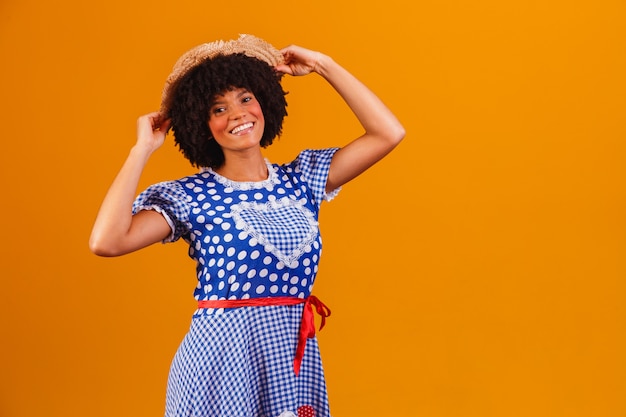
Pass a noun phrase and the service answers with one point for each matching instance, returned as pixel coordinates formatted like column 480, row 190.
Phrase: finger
column 285, row 69
column 166, row 125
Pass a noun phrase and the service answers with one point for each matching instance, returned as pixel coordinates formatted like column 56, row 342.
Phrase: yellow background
column 477, row 271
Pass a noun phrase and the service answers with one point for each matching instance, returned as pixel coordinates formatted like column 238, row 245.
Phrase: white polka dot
column 225, row 226
column 273, row 277
column 242, row 255
column 304, row 282
column 216, row 239
column 231, row 251
column 294, row 280
column 234, row 287
column 286, row 276
column 220, row 249
column 228, row 237
column 258, row 196
column 263, row 273
column 230, row 266
column 246, row 286
column 255, row 254
column 285, row 288
column 221, row 286
column 274, row 289
column 242, row 269
column 293, row 291
column 307, row 271
column 267, row 260
column 260, row 289
column 232, row 279
column 251, row 273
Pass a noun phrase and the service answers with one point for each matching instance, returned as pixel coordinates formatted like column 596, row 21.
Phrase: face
column 236, row 120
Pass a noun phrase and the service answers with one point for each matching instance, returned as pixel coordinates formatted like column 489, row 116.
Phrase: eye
column 246, row 99
column 217, row 110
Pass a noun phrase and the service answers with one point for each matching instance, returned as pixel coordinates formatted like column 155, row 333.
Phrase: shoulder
column 311, row 158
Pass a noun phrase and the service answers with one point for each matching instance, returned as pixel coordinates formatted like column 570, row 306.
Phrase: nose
column 238, row 112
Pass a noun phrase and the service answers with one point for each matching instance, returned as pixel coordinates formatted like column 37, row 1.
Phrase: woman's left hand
column 299, row 61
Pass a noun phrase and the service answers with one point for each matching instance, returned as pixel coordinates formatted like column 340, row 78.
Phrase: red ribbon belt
column 307, row 324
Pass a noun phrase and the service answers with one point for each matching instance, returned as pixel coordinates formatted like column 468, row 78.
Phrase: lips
column 242, row 128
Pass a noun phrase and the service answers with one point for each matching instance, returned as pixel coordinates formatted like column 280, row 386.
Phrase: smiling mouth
column 242, row 127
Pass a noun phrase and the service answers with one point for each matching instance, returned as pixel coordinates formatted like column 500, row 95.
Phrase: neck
column 248, row 169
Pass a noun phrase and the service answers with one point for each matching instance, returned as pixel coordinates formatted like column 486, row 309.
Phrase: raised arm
column 383, row 131
column 116, row 231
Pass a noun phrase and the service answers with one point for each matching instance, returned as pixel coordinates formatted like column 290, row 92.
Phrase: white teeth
column 241, row 127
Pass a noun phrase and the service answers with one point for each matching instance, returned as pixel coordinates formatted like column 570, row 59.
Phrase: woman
column 251, row 225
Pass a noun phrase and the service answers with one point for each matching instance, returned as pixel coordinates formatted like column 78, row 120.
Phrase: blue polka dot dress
column 249, row 240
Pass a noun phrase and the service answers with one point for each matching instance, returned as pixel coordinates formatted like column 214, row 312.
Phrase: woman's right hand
column 116, row 230
column 152, row 130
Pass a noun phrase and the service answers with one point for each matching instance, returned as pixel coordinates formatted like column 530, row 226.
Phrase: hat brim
column 247, row 44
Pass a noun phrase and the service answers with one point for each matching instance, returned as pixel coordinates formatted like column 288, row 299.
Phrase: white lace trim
column 305, row 241
column 272, row 179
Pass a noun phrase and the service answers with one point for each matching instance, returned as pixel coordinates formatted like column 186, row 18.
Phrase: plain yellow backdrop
column 478, row 271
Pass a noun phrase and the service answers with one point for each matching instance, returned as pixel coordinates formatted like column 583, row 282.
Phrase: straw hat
column 247, row 44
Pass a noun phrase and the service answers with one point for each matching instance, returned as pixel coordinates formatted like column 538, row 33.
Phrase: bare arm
column 383, row 131
column 116, row 231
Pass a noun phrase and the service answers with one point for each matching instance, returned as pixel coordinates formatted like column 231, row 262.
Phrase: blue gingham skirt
column 240, row 364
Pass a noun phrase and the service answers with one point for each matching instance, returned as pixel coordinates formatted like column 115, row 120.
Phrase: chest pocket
column 284, row 227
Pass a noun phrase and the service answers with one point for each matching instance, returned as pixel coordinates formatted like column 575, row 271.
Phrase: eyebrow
column 241, row 93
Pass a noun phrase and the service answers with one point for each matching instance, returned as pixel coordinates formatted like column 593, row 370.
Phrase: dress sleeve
column 170, row 199
column 314, row 166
